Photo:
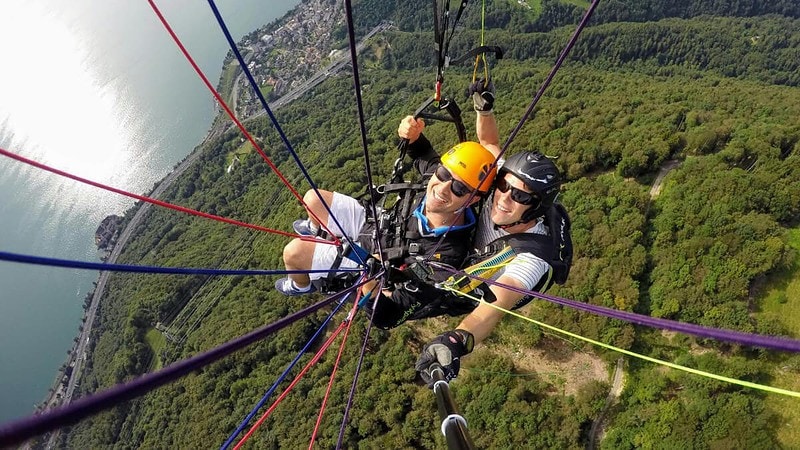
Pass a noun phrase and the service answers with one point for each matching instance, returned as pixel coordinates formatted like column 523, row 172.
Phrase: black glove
column 482, row 94
column 444, row 351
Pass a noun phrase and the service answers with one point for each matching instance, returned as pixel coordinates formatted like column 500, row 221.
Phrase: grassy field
column 243, row 150
column 787, row 407
column 781, row 299
column 266, row 89
column 226, row 80
column 535, row 6
column 157, row 342
column 582, row 3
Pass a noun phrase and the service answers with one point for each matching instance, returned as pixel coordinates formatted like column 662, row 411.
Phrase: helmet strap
column 503, row 227
column 509, row 225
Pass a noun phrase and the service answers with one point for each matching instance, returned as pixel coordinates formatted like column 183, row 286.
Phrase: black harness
column 537, row 244
column 393, row 221
column 555, row 249
column 404, row 248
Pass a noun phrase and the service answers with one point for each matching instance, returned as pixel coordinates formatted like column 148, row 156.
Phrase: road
column 112, row 258
column 163, row 186
column 616, row 388
column 79, row 354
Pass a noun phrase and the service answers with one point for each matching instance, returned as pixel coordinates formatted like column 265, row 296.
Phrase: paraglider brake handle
column 420, row 112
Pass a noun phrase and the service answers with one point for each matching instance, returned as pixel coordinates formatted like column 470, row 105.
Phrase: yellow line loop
column 714, row 376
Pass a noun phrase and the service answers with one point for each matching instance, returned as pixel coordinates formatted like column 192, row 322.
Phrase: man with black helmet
column 526, row 188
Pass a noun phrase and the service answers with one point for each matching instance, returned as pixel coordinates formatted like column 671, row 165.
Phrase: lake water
column 97, row 89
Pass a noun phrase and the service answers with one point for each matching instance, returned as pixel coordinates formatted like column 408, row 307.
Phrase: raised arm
column 482, row 93
column 410, row 128
column 483, row 319
column 486, row 129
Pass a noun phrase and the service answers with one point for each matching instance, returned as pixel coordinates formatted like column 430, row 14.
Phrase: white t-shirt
column 526, row 268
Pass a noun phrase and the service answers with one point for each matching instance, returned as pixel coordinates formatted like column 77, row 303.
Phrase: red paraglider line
column 283, row 395
column 230, row 113
column 143, row 198
column 349, row 322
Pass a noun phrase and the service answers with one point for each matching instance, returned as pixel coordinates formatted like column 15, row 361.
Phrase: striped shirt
column 526, row 268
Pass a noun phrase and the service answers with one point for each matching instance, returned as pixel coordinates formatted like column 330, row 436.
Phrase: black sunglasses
column 518, row 195
column 458, row 188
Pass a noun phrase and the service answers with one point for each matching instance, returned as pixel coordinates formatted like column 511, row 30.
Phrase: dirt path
column 665, row 168
column 558, row 363
column 598, row 426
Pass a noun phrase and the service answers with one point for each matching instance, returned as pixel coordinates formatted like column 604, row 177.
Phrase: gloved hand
column 482, row 93
column 445, row 351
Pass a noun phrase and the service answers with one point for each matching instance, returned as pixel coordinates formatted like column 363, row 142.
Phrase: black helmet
column 539, row 174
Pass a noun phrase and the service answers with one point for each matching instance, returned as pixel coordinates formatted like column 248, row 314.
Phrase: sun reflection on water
column 97, row 89
column 63, row 115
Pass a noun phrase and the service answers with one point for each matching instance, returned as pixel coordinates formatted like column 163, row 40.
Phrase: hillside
column 715, row 89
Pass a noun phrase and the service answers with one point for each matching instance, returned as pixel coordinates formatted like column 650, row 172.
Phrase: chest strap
column 483, row 269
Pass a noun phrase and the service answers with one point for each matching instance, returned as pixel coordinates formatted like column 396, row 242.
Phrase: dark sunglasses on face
column 458, row 188
column 518, row 195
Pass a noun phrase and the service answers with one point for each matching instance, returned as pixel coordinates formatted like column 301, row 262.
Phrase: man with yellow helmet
column 442, row 208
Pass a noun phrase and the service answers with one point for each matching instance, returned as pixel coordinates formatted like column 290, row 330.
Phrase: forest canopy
column 708, row 89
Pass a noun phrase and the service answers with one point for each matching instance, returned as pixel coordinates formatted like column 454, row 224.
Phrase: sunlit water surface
column 99, row 90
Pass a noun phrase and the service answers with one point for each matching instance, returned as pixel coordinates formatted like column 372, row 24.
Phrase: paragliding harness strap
column 445, row 104
column 335, row 281
column 477, row 51
column 555, row 249
column 484, row 269
column 453, row 114
column 392, row 220
column 441, row 24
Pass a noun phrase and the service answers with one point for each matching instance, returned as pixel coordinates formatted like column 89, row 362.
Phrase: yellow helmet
column 471, row 162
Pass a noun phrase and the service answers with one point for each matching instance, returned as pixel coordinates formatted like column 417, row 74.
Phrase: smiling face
column 505, row 210
column 440, row 198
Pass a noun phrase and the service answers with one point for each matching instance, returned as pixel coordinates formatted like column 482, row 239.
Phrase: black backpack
column 560, row 226
column 563, row 242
